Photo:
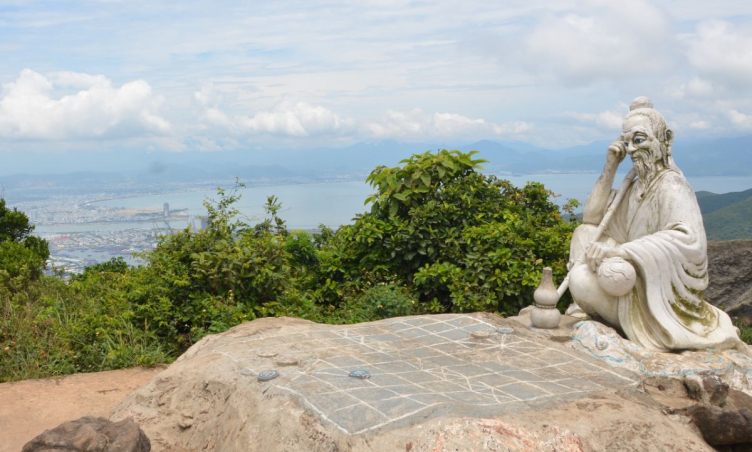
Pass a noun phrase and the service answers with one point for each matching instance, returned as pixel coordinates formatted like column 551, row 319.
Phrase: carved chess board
column 420, row 367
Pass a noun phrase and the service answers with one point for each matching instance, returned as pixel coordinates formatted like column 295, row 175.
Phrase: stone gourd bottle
column 544, row 313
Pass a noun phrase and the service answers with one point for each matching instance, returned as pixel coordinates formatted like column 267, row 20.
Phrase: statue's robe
column 662, row 231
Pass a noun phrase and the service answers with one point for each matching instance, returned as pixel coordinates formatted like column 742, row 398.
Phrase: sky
column 212, row 76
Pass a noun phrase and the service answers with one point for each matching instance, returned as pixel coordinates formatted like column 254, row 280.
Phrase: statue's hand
column 616, row 153
column 598, row 251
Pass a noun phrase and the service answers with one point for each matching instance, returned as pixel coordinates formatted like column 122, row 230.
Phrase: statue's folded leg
column 588, row 295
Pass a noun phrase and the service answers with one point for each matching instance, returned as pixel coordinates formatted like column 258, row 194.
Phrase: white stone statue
column 646, row 273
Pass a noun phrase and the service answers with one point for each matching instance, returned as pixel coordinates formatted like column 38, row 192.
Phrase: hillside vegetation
column 440, row 237
column 727, row 216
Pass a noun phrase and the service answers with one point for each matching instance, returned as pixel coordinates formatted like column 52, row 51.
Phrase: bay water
column 306, row 206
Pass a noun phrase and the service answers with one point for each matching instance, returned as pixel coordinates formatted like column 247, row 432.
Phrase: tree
column 205, row 281
column 463, row 240
column 14, row 224
column 22, row 255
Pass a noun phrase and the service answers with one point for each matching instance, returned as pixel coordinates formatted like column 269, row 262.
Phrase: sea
column 306, row 206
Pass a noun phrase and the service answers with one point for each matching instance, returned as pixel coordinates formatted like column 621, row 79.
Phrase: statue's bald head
column 642, row 106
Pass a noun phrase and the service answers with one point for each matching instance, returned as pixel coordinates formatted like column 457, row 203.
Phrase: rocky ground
column 27, row 408
column 442, row 382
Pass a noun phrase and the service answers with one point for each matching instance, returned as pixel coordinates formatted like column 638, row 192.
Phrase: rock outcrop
column 442, row 382
column 91, row 434
column 731, row 367
column 730, row 269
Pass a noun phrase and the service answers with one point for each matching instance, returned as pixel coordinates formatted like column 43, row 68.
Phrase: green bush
column 464, row 241
column 745, row 332
column 206, row 281
column 54, row 328
column 381, row 302
column 48, row 327
column 22, row 255
column 439, row 237
column 19, row 266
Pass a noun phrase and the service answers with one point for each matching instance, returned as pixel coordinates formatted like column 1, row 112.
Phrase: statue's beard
column 645, row 169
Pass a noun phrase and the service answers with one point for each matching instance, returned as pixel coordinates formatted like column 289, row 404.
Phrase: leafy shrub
column 54, row 328
column 22, row 256
column 381, row 302
column 464, row 241
column 300, row 247
column 745, row 332
column 440, row 237
column 19, row 266
column 14, row 224
column 208, row 280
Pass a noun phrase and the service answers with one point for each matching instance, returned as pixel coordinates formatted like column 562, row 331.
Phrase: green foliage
column 745, row 332
column 440, row 237
column 462, row 240
column 14, row 225
column 381, row 302
column 19, row 266
column 300, row 247
column 206, row 281
column 731, row 222
column 53, row 328
column 114, row 265
column 22, row 256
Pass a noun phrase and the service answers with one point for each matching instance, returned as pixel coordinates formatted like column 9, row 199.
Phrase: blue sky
column 223, row 75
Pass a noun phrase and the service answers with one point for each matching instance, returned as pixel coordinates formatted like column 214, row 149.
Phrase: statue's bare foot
column 575, row 311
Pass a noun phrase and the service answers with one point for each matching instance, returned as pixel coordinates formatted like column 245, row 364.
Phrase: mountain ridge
column 711, row 157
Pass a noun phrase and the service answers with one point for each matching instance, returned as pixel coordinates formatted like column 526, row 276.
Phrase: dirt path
column 29, row 407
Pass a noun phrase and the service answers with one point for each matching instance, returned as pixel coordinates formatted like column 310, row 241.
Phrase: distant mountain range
column 711, row 157
column 727, row 216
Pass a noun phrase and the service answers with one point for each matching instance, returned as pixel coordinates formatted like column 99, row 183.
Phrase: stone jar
column 545, row 314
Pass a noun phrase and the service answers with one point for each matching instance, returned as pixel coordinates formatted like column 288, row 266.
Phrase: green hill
column 727, row 216
column 711, row 202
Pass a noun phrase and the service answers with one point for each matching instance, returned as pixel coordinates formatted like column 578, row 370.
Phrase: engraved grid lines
column 443, row 365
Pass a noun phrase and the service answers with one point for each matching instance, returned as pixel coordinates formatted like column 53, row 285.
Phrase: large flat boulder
column 441, row 382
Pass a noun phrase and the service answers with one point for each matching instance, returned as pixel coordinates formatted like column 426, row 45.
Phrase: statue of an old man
column 656, row 238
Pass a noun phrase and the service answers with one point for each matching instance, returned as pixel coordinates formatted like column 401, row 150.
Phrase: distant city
column 78, row 212
column 110, row 232
column 83, row 231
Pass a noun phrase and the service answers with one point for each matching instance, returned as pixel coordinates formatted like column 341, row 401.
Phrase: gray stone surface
column 732, row 367
column 420, row 367
column 730, row 270
column 433, row 386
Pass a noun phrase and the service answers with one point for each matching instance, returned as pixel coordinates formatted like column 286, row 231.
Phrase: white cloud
column 699, row 125
column 205, row 144
column 288, row 118
column 740, row 119
column 296, row 119
column 299, row 120
column 722, row 51
column 607, row 119
column 601, row 39
column 28, row 109
column 69, row 79
column 696, row 88
column 415, row 124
